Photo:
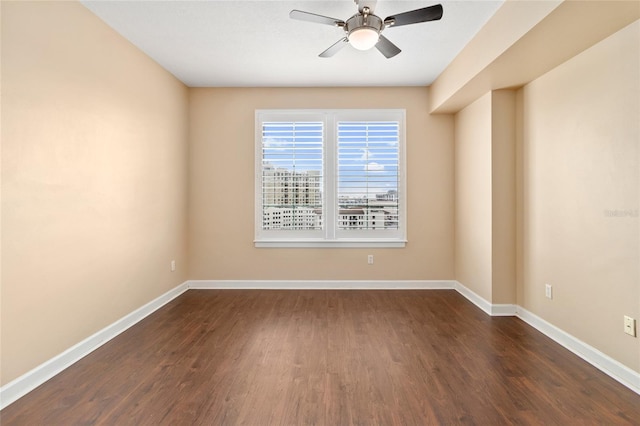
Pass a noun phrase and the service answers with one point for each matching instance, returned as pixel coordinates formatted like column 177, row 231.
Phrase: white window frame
column 330, row 236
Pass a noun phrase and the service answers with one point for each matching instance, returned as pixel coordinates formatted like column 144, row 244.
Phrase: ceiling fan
column 363, row 30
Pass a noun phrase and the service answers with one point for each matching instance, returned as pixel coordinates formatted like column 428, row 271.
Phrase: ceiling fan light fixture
column 364, row 38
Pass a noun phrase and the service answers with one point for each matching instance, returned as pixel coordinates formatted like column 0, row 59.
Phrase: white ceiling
column 224, row 43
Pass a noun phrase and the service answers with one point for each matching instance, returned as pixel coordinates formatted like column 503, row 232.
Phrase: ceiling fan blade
column 334, row 48
column 371, row 4
column 430, row 13
column 312, row 17
column 387, row 48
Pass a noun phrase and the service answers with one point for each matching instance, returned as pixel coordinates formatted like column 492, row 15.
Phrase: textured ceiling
column 221, row 43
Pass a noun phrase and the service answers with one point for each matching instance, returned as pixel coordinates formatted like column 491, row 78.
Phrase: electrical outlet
column 630, row 326
column 370, row 259
column 548, row 291
column 173, row 266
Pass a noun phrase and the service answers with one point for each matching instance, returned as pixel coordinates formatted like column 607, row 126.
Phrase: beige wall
column 222, row 190
column 503, row 196
column 485, row 216
column 581, row 136
column 524, row 40
column 94, row 175
column 473, row 223
column 485, row 238
column 457, row 87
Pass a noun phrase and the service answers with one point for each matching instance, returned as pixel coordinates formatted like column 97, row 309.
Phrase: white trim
column 593, row 356
column 474, row 298
column 503, row 310
column 495, row 310
column 320, row 285
column 24, row 384
column 330, row 243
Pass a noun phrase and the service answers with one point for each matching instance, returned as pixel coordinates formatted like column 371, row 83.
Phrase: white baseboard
column 474, row 298
column 503, row 310
column 320, row 285
column 593, row 356
column 24, row 384
column 495, row 310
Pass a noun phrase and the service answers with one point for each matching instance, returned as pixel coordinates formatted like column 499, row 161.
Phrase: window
column 332, row 178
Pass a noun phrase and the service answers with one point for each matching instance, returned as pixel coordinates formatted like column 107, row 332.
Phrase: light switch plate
column 630, row 326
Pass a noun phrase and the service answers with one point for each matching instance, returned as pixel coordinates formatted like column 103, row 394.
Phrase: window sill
column 330, row 243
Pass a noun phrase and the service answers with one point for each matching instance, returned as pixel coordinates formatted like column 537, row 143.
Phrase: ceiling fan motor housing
column 363, row 28
column 359, row 21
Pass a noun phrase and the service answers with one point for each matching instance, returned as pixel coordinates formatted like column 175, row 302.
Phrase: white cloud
column 374, row 167
column 275, row 143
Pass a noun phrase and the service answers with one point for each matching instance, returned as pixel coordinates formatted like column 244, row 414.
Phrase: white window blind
column 330, row 178
column 368, row 175
column 292, row 168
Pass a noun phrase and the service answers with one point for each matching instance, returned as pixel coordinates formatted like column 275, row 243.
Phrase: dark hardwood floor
column 327, row 358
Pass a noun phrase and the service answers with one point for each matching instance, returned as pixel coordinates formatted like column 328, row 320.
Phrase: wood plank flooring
column 256, row 357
